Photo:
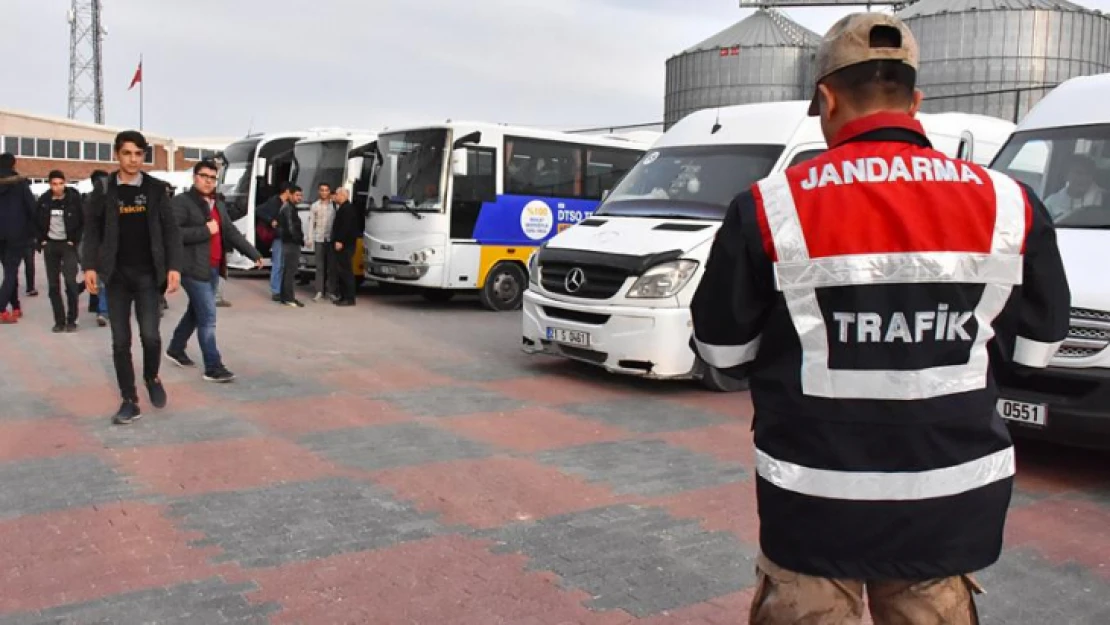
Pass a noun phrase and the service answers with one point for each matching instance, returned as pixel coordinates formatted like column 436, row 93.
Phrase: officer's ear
column 827, row 101
column 918, row 96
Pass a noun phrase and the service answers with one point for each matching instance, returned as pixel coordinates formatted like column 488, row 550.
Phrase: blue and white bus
column 462, row 206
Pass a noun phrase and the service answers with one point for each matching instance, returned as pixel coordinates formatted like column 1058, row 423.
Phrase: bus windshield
column 692, row 182
column 411, row 169
column 319, row 162
column 1068, row 168
column 235, row 177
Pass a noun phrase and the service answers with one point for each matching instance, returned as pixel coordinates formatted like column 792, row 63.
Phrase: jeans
column 345, row 274
column 142, row 288
column 291, row 256
column 200, row 316
column 61, row 264
column 275, row 266
column 11, row 254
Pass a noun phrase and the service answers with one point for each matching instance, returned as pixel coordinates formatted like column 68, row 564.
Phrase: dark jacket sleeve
column 42, row 213
column 171, row 238
column 94, row 229
column 732, row 302
column 180, row 206
column 79, row 217
column 232, row 236
column 1044, row 306
column 34, row 233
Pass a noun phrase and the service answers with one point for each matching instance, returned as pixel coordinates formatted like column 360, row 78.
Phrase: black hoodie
column 74, row 214
column 17, row 209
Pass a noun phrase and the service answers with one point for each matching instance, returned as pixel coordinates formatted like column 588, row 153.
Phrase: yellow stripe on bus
column 493, row 254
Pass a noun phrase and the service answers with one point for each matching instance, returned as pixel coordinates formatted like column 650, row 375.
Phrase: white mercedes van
column 615, row 289
column 1062, row 150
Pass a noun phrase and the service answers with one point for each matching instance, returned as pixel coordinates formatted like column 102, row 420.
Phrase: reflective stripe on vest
column 798, row 277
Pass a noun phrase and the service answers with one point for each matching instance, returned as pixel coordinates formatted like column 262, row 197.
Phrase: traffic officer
column 868, row 293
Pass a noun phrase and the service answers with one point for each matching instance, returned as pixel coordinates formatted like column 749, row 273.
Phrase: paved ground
column 403, row 462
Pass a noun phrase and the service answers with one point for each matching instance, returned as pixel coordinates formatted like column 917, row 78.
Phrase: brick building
column 42, row 143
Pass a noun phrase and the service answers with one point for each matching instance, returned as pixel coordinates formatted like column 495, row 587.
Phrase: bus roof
column 771, row 123
column 353, row 135
column 1076, row 102
column 524, row 131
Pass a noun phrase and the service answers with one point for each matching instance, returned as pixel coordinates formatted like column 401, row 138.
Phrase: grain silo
column 1009, row 53
column 765, row 57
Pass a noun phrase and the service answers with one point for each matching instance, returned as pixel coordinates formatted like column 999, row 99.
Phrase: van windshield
column 1068, row 168
column 693, row 182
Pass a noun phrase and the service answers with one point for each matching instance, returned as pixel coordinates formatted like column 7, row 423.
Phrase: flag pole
column 142, row 81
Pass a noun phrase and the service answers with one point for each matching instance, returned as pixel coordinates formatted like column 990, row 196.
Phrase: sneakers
column 319, row 296
column 219, row 374
column 58, row 328
column 71, row 327
column 294, row 303
column 33, row 293
column 180, row 359
column 157, row 393
column 17, row 313
column 128, row 413
column 7, row 318
column 344, row 302
column 276, row 298
column 223, row 303
column 101, row 320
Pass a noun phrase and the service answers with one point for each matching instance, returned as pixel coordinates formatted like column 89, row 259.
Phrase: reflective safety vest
column 869, row 292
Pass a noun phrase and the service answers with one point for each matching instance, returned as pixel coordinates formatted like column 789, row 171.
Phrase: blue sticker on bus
column 528, row 220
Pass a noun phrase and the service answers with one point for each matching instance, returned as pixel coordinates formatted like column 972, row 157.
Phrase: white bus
column 615, row 290
column 461, row 205
column 335, row 158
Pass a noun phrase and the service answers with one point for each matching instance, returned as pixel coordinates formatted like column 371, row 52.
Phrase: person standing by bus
column 267, row 218
column 291, row 235
column 322, row 214
column 61, row 220
column 345, row 232
column 868, row 293
column 132, row 242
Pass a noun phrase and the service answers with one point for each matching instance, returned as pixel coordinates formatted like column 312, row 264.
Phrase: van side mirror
column 459, row 161
column 966, row 151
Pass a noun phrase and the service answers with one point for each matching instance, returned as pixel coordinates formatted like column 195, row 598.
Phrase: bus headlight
column 663, row 280
column 534, row 268
column 421, row 257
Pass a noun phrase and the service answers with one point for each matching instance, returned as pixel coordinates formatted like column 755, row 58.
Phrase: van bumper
column 1077, row 403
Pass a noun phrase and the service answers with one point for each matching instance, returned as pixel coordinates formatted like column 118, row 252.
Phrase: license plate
column 1023, row 412
column 569, row 337
column 385, row 270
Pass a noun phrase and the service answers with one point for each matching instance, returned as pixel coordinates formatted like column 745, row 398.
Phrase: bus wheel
column 438, row 295
column 504, row 288
column 718, row 382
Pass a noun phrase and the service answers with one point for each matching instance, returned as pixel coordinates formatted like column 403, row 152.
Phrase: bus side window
column 543, row 168
column 472, row 190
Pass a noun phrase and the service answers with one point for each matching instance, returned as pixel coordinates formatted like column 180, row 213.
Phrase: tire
column 718, row 382
column 504, row 287
column 438, row 295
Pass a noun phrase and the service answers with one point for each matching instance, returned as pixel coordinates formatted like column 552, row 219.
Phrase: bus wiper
column 405, row 205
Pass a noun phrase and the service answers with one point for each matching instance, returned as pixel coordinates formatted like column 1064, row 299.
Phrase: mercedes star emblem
column 576, row 279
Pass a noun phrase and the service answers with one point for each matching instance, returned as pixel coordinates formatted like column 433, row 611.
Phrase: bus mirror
column 459, row 161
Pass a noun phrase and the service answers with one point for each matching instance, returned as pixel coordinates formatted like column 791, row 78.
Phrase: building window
column 149, row 157
column 73, row 150
column 207, row 155
column 104, row 151
column 11, row 145
column 58, row 150
column 192, row 154
column 26, row 146
column 42, row 148
column 90, row 151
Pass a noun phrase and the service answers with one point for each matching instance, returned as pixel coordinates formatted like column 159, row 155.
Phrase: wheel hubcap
column 505, row 287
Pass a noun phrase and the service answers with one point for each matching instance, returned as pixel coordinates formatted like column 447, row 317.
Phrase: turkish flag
column 138, row 77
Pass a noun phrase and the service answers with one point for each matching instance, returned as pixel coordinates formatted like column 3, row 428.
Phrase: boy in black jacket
column 60, row 224
column 292, row 238
column 133, row 244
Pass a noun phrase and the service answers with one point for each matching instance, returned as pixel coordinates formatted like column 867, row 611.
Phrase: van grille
column 600, row 282
column 1088, row 334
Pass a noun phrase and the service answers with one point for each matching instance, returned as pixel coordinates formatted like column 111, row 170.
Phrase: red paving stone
column 493, row 492
column 37, row 439
column 533, row 429
column 80, row 555
column 731, row 442
column 385, row 379
column 314, row 414
column 221, row 465
column 736, row 405
column 729, row 508
column 1064, row 530
column 448, row 580
column 102, row 400
column 557, row 389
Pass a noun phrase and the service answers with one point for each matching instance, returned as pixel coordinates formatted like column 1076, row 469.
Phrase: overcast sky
column 219, row 67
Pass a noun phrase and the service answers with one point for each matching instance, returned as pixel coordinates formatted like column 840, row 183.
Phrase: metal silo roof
column 765, row 27
column 936, row 7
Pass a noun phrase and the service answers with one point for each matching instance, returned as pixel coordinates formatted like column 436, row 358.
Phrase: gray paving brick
column 1024, row 589
column 637, row 559
column 210, row 601
column 42, row 484
column 269, row 385
column 302, row 521
column 449, row 401
column 19, row 405
column 645, row 415
column 487, row 367
column 638, row 467
column 394, row 445
column 208, row 424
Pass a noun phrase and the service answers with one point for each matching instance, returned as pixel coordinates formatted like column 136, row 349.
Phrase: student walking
column 206, row 234
column 17, row 231
column 60, row 219
column 133, row 244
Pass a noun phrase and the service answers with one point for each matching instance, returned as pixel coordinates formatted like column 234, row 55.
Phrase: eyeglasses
column 208, row 177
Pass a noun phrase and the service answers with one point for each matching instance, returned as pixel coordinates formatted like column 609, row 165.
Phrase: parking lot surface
column 403, row 462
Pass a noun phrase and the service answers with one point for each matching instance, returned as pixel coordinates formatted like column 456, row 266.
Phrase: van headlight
column 421, row 257
column 534, row 268
column 663, row 280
